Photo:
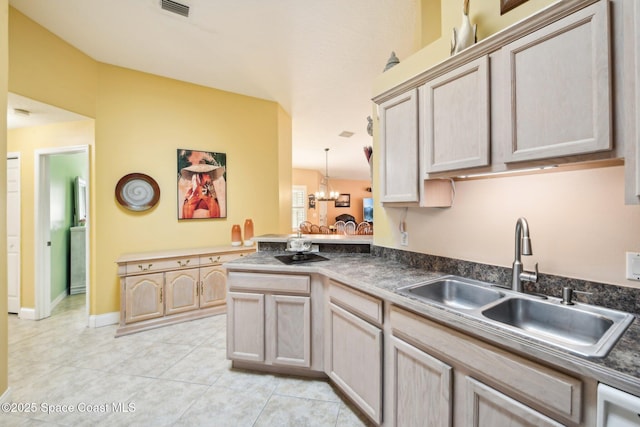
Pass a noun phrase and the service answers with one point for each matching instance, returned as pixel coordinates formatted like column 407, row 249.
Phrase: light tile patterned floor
column 172, row 376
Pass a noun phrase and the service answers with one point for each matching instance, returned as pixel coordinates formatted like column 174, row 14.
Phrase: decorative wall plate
column 137, row 192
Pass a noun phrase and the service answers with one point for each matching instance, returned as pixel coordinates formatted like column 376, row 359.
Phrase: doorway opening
column 52, row 229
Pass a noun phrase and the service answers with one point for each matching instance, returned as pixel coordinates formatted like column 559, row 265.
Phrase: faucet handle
column 530, row 276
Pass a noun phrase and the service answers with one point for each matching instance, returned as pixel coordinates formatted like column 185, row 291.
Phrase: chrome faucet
column 523, row 247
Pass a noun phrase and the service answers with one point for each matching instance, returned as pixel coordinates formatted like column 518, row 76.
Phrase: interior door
column 13, row 233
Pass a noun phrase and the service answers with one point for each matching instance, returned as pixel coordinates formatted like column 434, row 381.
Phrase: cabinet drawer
column 529, row 382
column 164, row 264
column 365, row 306
column 216, row 259
column 289, row 283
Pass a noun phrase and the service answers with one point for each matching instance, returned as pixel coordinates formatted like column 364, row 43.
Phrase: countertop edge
column 472, row 327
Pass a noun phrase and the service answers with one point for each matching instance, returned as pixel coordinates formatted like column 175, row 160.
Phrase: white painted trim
column 27, row 314
column 42, row 259
column 58, row 299
column 6, row 395
column 15, row 155
column 100, row 320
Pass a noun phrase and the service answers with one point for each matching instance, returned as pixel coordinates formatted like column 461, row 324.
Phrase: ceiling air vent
column 175, row 7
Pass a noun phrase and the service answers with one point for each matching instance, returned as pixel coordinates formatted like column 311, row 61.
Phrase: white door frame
column 16, row 156
column 42, row 261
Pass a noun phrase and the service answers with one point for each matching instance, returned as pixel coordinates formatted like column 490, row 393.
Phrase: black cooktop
column 300, row 258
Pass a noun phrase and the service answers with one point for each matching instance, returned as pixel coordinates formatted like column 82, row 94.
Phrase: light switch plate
column 633, row 266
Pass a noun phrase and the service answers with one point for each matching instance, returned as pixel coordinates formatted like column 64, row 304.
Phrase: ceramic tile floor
column 171, row 376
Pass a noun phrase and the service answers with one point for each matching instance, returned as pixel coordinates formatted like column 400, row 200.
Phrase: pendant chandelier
column 323, row 196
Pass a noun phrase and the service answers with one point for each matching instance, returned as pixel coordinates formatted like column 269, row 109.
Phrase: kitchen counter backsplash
column 363, row 248
column 611, row 296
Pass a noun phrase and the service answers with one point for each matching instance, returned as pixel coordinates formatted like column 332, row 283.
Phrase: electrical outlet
column 633, row 266
column 404, row 238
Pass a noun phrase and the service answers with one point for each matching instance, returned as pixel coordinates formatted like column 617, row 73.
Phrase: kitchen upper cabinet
column 557, row 93
column 454, row 119
column 399, row 168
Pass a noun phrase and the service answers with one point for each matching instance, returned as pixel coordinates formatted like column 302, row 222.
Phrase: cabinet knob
column 143, row 268
column 181, row 264
column 216, row 260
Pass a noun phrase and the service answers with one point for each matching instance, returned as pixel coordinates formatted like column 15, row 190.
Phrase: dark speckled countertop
column 381, row 276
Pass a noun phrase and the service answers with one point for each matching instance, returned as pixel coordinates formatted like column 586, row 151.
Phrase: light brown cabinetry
column 491, row 386
column 354, row 342
column 537, row 93
column 399, row 148
column 265, row 326
column 422, row 388
column 168, row 287
column 558, row 95
column 143, row 297
column 455, row 118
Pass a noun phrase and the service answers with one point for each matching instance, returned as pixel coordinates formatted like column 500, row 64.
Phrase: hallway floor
column 171, row 376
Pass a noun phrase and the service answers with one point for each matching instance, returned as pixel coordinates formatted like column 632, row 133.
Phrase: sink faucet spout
column 522, row 247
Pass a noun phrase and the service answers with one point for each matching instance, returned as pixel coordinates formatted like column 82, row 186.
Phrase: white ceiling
column 316, row 59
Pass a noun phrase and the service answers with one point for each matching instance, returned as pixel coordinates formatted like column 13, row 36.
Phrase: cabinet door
column 455, row 118
column 488, row 407
column 144, row 297
column 181, row 290
column 288, row 331
column 421, row 389
column 213, row 286
column 355, row 360
column 558, row 90
column 399, row 148
column 245, row 326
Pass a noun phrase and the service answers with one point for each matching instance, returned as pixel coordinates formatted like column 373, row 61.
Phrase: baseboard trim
column 6, row 395
column 58, row 299
column 100, row 320
column 27, row 313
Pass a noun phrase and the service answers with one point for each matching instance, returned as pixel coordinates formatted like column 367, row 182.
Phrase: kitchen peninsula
column 325, row 242
column 343, row 319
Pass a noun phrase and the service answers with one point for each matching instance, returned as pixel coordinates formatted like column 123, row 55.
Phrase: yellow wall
column 4, row 338
column 42, row 66
column 579, row 224
column 26, row 141
column 484, row 13
column 140, row 122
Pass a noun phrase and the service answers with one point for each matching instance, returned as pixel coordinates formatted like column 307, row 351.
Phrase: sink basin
column 582, row 329
column 454, row 292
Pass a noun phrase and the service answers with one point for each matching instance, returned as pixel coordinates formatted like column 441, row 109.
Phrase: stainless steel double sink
column 582, row 329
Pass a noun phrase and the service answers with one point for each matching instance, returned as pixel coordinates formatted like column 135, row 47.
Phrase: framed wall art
column 202, row 184
column 343, row 201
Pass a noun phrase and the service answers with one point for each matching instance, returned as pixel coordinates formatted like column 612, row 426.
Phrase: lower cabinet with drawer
column 447, row 378
column 355, row 347
column 269, row 319
column 170, row 287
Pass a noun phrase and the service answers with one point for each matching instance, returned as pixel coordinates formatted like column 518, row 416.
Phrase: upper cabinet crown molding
column 495, row 42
